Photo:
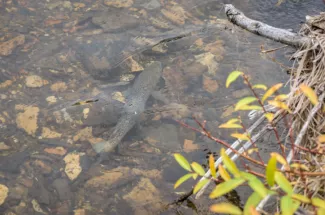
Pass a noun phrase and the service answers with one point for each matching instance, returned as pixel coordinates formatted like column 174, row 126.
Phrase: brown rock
column 48, row 133
column 6, row 48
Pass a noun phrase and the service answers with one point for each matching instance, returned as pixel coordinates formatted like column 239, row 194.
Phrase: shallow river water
column 66, row 69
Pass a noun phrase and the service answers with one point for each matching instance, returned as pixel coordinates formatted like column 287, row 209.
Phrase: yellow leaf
column 269, row 116
column 254, row 211
column 226, row 208
column 250, row 107
column 211, row 166
column 279, row 158
column 240, row 136
column 200, row 184
column 198, row 168
column 310, row 93
column 232, row 121
column 271, row 91
column 321, row 139
column 301, row 198
column 223, row 173
column 260, row 86
column 244, row 102
column 281, row 97
column 318, row 202
column 232, row 77
column 280, row 105
column 230, row 165
column 225, row 125
column 299, row 166
column 250, row 151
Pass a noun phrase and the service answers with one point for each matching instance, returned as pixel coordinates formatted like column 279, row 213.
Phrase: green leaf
column 226, row 208
column 182, row 179
column 260, row 86
column 230, row 165
column 200, row 184
column 288, row 206
column 232, row 77
column 212, row 167
column 182, row 162
column 198, row 168
column 252, row 201
column 301, row 198
column 270, row 171
column 271, row 91
column 258, row 187
column 244, row 102
column 283, row 182
column 318, row 202
column 226, row 187
column 247, row 176
column 223, row 173
column 250, row 107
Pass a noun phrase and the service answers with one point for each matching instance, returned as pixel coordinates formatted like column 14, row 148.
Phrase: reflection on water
column 66, row 70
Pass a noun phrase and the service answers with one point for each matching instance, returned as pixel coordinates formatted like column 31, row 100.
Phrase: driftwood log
column 280, row 35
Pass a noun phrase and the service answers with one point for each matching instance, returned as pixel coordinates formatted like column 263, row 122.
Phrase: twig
column 228, row 151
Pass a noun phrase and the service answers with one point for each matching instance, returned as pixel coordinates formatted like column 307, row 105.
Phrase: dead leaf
column 228, row 111
column 51, row 22
column 119, row 3
column 209, row 84
column 85, row 112
column 48, row 133
column 72, row 165
column 208, row 60
column 3, row 146
column 216, row 48
column 160, row 23
column 6, row 48
column 118, row 96
column 145, row 194
column 46, row 169
column 189, row 146
column 59, row 87
column 175, row 14
column 3, row 193
column 133, row 65
column 6, row 84
column 56, row 151
column 28, row 119
column 35, row 81
column 51, row 99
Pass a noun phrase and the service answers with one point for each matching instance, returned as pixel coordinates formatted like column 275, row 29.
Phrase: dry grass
column 309, row 69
